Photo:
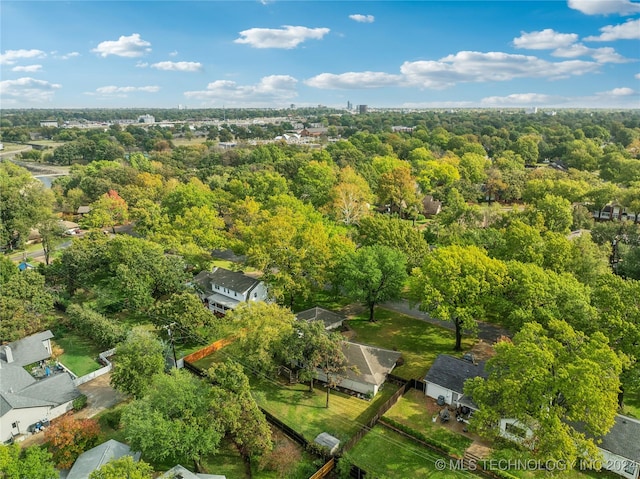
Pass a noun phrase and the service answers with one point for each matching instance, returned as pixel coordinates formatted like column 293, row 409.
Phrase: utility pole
column 173, row 346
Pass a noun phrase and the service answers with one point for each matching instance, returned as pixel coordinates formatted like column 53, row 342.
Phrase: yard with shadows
column 419, row 342
column 305, row 412
column 384, row 453
column 413, row 411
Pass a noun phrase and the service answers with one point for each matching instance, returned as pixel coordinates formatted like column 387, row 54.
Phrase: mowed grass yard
column 384, row 453
column 80, row 355
column 305, row 412
column 420, row 342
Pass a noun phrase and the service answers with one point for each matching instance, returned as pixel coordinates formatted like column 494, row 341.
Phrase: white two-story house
column 222, row 290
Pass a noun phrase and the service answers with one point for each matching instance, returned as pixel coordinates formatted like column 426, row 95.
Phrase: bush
column 111, row 418
column 105, row 332
column 79, row 402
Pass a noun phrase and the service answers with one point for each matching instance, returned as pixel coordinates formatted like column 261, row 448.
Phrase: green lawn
column 384, row 453
column 80, row 355
column 419, row 342
column 632, row 403
column 411, row 411
column 325, row 299
column 306, row 413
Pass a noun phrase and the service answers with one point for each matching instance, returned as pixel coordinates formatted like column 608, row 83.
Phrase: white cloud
column 286, row 37
column 601, row 55
column 142, row 64
column 354, row 80
column 547, row 39
column 130, row 47
column 178, row 66
column 520, row 100
column 269, row 89
column 9, row 57
column 173, row 53
column 605, row 7
column 623, row 91
column 637, row 75
column 468, row 66
column 70, row 55
column 27, row 68
column 27, row 90
column 117, row 90
column 362, row 18
column 630, row 30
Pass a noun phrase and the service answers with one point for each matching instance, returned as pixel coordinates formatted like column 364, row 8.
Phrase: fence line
column 207, row 350
column 103, row 370
column 325, row 470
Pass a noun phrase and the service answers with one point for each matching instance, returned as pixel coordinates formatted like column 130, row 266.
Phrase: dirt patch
column 482, row 351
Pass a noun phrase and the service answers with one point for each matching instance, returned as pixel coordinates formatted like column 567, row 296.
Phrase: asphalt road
column 486, row 331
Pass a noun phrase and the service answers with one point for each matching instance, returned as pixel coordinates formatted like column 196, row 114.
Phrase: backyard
column 287, row 460
column 305, row 412
column 419, row 342
column 384, row 453
column 414, row 410
column 80, row 355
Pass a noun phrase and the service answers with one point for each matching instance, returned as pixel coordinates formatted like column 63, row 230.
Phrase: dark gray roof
column 28, row 350
column 95, row 458
column 227, row 279
column 623, row 439
column 184, row 473
column 57, row 389
column 14, row 378
column 330, row 319
column 373, row 364
column 451, row 373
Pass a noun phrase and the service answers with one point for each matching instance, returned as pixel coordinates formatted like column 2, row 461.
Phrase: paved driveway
column 100, row 396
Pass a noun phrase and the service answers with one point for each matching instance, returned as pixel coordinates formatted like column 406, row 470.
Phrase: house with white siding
column 221, row 289
column 26, row 400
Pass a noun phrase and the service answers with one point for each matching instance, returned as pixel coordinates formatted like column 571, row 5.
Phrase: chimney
column 8, row 353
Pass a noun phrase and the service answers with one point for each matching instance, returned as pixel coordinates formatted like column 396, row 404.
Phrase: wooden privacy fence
column 324, row 470
column 383, row 409
column 207, row 350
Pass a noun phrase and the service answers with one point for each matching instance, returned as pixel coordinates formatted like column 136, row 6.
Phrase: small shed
column 325, row 439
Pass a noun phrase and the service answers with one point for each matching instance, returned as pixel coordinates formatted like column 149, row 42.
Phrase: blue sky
column 417, row 54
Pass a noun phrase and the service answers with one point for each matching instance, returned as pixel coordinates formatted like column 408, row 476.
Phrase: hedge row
column 103, row 331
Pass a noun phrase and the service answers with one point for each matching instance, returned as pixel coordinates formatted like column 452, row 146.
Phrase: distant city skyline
column 271, row 54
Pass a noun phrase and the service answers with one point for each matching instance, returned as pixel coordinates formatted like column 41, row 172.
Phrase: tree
column 245, row 423
column 31, row 462
column 185, row 315
column 108, row 211
column 550, row 380
column 25, row 203
column 373, row 274
column 309, row 346
column 261, row 331
column 350, row 198
column 69, row 437
column 138, row 360
column 295, row 248
column 556, row 212
column 124, row 467
column 398, row 188
column 455, row 284
column 395, row 233
column 173, row 421
column 51, row 231
column 25, row 304
column 314, row 182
